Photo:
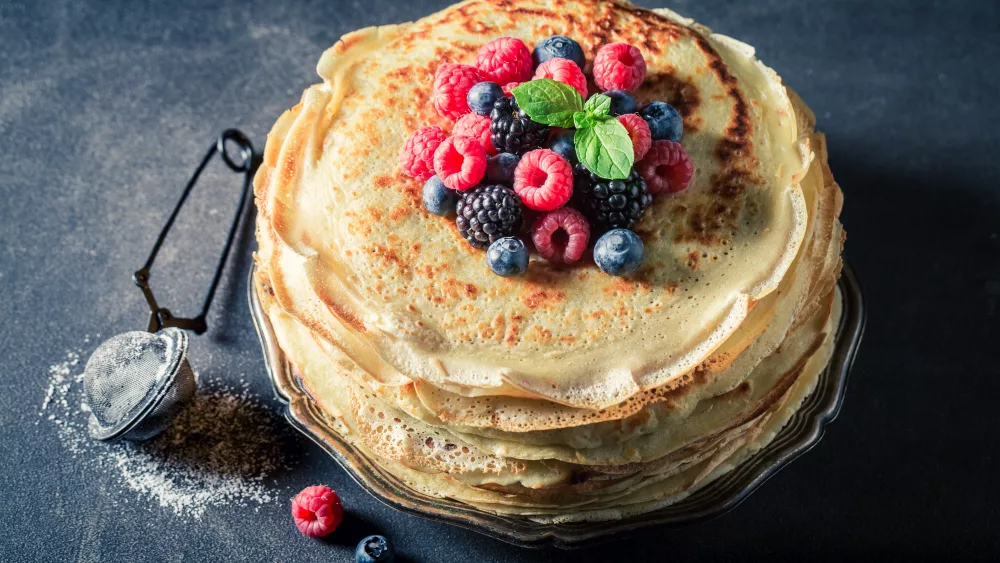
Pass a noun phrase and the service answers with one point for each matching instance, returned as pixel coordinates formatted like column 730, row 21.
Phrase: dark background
column 105, row 108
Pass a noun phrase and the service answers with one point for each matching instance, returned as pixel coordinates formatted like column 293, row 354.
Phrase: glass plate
column 802, row 432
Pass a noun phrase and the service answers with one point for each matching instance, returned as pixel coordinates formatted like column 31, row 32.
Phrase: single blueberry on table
column 558, row 47
column 482, row 96
column 665, row 123
column 500, row 168
column 621, row 102
column 507, row 257
column 438, row 199
column 562, row 144
column 374, row 549
column 619, row 252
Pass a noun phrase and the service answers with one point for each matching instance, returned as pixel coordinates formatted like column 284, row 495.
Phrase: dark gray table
column 105, row 107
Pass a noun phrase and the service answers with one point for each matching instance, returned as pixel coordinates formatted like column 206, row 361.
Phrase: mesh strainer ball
column 136, row 382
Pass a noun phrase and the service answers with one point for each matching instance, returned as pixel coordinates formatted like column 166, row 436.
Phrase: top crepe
column 399, row 284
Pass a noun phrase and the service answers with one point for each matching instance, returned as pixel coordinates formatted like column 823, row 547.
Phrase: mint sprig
column 602, row 143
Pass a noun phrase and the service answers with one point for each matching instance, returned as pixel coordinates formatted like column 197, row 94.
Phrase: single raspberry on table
column 317, row 511
column 504, row 60
column 417, row 157
column 478, row 127
column 452, row 83
column 543, row 180
column 565, row 71
column 561, row 236
column 460, row 162
column 619, row 66
column 638, row 131
column 667, row 167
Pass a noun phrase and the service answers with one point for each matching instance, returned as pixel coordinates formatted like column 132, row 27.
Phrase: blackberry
column 610, row 204
column 488, row 213
column 512, row 130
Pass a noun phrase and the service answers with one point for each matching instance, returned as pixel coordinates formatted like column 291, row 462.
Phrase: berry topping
column 417, row 158
column 488, row 213
column 478, row 127
column 460, row 162
column 507, row 257
column 451, row 89
column 638, row 131
column 500, row 168
column 558, row 47
column 504, row 60
column 561, row 236
column 667, row 167
column 438, row 199
column 665, row 123
column 619, row 252
column 621, row 102
column 610, row 204
column 508, row 89
column 619, row 66
column 374, row 549
column 543, row 180
column 317, row 511
column 565, row 71
column 561, row 143
column 512, row 130
column 482, row 96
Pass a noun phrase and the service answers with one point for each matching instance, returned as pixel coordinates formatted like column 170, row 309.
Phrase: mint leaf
column 598, row 105
column 549, row 102
column 583, row 120
column 605, row 149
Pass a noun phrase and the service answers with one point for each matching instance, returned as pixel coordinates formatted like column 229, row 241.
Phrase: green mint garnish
column 549, row 102
column 605, row 149
column 583, row 120
column 598, row 105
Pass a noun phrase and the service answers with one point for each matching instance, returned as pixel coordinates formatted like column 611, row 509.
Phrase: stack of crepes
column 566, row 394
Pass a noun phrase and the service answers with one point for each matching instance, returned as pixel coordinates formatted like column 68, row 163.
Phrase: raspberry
column 543, row 180
column 460, row 162
column 504, row 60
column 561, row 236
column 619, row 66
column 508, row 89
column 317, row 511
column 565, row 71
column 638, row 131
column 417, row 158
column 478, row 127
column 667, row 167
column 451, row 87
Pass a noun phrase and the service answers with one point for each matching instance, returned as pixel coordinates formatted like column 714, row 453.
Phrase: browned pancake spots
column 693, row 259
column 382, row 181
column 471, row 291
column 399, row 212
column 535, row 297
column 540, row 335
column 375, row 212
column 511, row 336
column 568, row 339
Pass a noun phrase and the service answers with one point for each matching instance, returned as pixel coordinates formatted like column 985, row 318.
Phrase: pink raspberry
column 638, row 131
column 317, row 511
column 417, row 158
column 508, row 89
column 561, row 236
column 619, row 66
column 667, row 167
column 565, row 71
column 460, row 162
column 478, row 127
column 451, row 86
column 543, row 180
column 504, row 60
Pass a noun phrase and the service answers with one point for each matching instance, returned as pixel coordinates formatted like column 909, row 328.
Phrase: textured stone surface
column 106, row 107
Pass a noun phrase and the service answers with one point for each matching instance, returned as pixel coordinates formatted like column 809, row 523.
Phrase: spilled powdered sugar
column 224, row 449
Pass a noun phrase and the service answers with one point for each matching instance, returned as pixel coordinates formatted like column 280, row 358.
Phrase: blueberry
column 664, row 121
column 374, row 549
column 500, row 168
column 438, row 199
column 621, row 102
column 558, row 47
column 507, row 257
column 482, row 96
column 619, row 252
column 562, row 144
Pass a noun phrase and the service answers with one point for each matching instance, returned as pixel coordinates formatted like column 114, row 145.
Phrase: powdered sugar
column 224, row 449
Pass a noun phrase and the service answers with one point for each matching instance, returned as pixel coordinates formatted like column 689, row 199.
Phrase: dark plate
column 799, row 435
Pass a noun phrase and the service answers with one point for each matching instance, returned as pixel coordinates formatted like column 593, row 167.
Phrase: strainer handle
column 160, row 317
